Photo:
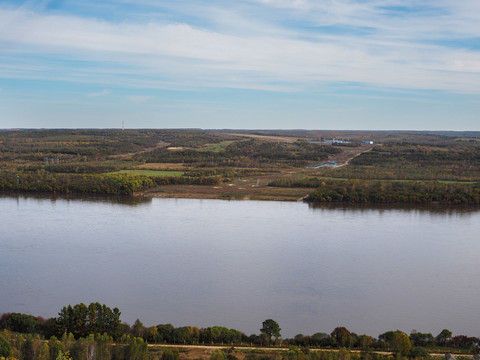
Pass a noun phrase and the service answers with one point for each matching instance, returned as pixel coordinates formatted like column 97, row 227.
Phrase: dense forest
column 246, row 153
column 384, row 191
column 95, row 331
column 415, row 162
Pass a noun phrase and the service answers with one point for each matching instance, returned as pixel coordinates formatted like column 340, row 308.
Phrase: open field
column 150, row 173
column 161, row 166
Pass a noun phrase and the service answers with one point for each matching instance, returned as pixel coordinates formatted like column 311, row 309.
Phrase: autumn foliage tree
column 341, row 335
column 401, row 344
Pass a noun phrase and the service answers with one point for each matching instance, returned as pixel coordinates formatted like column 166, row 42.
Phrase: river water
column 237, row 263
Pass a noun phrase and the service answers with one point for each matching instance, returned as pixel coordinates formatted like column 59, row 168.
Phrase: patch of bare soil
column 160, row 144
column 251, row 188
column 283, row 139
column 346, row 156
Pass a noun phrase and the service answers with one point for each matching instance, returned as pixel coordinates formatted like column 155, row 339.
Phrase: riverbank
column 238, row 189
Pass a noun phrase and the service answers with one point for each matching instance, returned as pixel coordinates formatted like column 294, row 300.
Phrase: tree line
column 96, row 328
column 378, row 191
column 385, row 191
column 42, row 181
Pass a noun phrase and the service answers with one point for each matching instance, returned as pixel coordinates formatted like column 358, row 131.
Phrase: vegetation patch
column 150, row 173
column 221, row 146
column 415, row 162
column 414, row 192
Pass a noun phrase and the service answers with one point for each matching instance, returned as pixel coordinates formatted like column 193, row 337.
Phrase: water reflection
column 114, row 199
column 440, row 209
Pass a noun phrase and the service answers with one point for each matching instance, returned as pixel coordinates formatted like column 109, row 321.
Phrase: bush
column 418, row 352
column 218, row 355
column 171, row 354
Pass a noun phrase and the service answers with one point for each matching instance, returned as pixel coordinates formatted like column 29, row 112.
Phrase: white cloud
column 138, row 99
column 269, row 57
column 99, row 93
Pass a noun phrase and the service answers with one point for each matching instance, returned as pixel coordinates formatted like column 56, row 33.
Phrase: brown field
column 286, row 139
column 240, row 189
column 160, row 166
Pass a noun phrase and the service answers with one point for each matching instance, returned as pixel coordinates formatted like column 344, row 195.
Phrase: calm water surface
column 237, row 263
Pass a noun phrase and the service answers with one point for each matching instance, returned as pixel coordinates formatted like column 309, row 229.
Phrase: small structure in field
column 325, row 164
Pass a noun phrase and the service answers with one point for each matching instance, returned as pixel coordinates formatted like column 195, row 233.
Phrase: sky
column 243, row 64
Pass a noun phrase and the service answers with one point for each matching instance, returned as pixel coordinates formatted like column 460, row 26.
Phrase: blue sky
column 312, row 64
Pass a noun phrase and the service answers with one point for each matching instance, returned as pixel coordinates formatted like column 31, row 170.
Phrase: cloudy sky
column 312, row 64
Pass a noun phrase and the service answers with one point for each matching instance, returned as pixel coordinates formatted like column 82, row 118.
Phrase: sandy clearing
column 282, row 139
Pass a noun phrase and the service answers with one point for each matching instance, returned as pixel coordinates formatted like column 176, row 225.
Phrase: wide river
column 237, row 263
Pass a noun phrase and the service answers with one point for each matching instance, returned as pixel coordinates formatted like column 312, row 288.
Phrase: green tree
column 44, row 352
column 421, row 339
column 165, row 332
column 271, row 328
column 138, row 330
column 152, row 334
column 27, row 348
column 444, row 337
column 101, row 319
column 341, row 335
column 137, row 349
column 82, row 320
column 5, row 348
column 22, row 323
column 320, row 339
column 387, row 338
column 56, row 347
column 364, row 341
column 401, row 344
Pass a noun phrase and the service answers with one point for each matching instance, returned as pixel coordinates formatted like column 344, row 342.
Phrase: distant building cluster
column 336, row 141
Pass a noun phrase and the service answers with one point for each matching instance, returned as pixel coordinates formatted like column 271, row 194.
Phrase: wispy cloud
column 138, row 99
column 284, row 45
column 99, row 93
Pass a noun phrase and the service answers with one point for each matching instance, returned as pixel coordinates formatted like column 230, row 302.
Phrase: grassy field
column 218, row 147
column 149, row 173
